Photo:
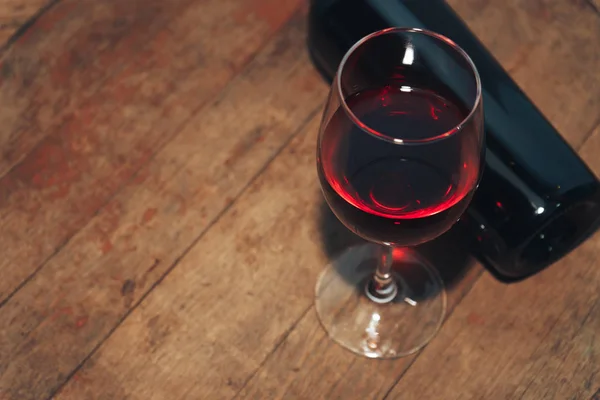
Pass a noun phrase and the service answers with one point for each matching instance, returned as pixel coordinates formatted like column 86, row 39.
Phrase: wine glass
column 399, row 157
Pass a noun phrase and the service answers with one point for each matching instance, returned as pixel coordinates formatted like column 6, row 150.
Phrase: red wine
column 394, row 192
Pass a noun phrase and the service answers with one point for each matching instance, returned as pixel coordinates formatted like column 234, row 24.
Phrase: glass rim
column 356, row 120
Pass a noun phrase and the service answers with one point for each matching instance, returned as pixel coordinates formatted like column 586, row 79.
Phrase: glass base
column 397, row 326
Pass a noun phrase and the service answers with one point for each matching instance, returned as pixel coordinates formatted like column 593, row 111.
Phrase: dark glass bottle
column 537, row 199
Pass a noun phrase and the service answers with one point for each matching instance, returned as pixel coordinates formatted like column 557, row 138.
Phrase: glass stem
column 382, row 288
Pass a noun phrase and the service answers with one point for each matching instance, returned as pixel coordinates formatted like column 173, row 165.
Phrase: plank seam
column 575, row 334
column 26, row 25
column 535, row 351
column 593, row 6
column 284, row 337
column 588, row 136
column 337, row 383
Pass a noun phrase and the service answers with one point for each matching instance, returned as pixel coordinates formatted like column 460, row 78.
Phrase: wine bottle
column 537, row 199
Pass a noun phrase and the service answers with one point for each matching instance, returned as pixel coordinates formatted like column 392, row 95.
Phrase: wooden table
column 162, row 226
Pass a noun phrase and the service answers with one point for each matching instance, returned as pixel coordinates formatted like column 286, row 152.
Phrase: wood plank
column 63, row 59
column 88, row 155
column 15, row 13
column 71, row 305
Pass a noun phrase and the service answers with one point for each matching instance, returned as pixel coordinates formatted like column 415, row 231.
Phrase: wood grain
column 52, row 72
column 58, row 317
column 216, row 315
column 54, row 96
column 101, row 143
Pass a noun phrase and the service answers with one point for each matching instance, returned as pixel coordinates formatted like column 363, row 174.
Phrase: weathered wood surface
column 79, row 169
column 95, row 77
column 163, row 227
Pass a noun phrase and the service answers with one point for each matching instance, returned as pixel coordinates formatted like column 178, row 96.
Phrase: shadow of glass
column 446, row 254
